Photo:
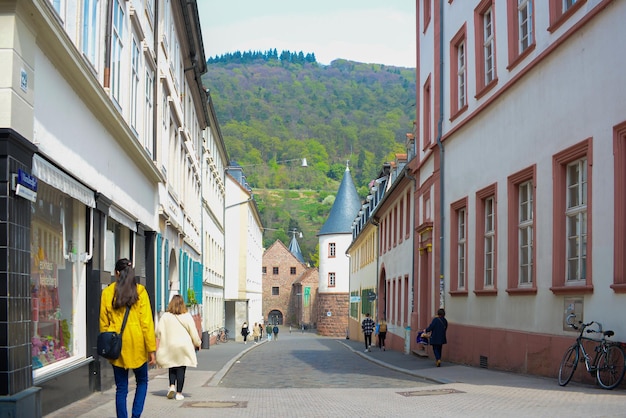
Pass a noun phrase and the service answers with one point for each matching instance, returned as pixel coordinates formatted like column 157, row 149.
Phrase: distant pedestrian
column 256, row 332
column 275, row 330
column 290, row 329
column 245, row 331
column 260, row 331
column 438, row 328
column 302, row 328
column 268, row 331
column 368, row 328
column 382, row 334
column 178, row 340
column 139, row 342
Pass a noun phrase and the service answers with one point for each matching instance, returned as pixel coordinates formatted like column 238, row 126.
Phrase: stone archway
column 275, row 317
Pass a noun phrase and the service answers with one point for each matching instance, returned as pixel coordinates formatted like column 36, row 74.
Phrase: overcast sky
column 370, row 31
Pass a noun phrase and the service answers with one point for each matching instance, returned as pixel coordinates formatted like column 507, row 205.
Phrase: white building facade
column 524, row 180
column 103, row 118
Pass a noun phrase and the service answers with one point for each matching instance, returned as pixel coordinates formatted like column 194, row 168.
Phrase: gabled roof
column 344, row 210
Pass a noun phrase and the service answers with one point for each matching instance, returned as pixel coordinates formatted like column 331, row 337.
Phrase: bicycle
column 222, row 336
column 608, row 362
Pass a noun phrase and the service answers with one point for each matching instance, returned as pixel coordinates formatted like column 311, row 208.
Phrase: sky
column 369, row 31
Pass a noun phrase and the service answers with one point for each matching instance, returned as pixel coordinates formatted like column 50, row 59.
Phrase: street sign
column 371, row 296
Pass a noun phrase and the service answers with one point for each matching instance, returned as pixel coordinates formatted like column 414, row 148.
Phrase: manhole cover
column 216, row 404
column 430, row 392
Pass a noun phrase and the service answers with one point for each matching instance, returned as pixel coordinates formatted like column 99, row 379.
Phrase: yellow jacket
column 138, row 339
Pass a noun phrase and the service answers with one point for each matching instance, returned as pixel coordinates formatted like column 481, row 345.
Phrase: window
column 134, row 84
column 576, row 220
column 426, row 115
column 619, row 221
column 486, row 241
column 332, row 250
column 407, row 202
column 292, row 270
column 274, row 270
column 561, row 10
column 90, row 30
column 458, row 247
column 521, row 30
column 572, row 207
column 117, row 45
column 525, row 24
column 458, row 73
column 275, row 291
column 521, row 235
column 485, row 47
column 59, row 7
column 55, row 245
column 148, row 136
column 331, row 279
column 264, row 270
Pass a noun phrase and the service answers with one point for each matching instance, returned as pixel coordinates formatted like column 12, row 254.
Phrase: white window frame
column 526, row 234
column 576, row 221
column 332, row 279
column 59, row 6
column 525, row 24
column 135, row 68
column 91, row 29
column 461, row 74
column 117, row 46
column 148, row 132
column 332, row 250
column 462, row 247
column 489, row 240
column 488, row 46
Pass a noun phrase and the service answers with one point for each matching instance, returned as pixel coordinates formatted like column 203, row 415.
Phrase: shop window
column 57, row 239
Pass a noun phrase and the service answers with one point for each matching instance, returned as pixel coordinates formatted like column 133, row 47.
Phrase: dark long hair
column 126, row 288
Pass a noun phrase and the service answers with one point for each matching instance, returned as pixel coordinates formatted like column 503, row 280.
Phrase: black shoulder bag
column 110, row 343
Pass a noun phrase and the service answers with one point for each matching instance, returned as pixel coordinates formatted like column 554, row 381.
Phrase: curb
column 395, row 368
column 218, row 376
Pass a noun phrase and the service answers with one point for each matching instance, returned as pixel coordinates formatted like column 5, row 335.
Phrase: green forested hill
column 273, row 109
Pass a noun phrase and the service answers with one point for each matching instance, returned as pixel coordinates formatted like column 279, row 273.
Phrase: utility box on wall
column 573, row 311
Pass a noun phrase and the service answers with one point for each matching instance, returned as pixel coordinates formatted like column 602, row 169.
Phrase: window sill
column 458, row 293
column 517, row 59
column 458, row 113
column 619, row 287
column 514, row 291
column 572, row 290
column 486, row 292
column 486, row 88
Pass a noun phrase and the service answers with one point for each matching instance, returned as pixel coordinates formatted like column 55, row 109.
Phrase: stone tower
column 333, row 302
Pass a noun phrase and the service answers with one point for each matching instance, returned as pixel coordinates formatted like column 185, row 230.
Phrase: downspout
column 441, row 163
column 413, row 275
column 155, row 85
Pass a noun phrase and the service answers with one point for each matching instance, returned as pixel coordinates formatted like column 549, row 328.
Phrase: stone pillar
column 338, row 305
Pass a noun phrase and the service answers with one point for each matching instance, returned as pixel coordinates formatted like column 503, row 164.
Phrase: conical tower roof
column 344, row 210
column 294, row 248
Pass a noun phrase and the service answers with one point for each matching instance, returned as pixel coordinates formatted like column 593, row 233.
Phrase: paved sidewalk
column 470, row 387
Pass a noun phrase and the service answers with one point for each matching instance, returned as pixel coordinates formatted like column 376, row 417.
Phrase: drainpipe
column 107, row 45
column 410, row 177
column 441, row 162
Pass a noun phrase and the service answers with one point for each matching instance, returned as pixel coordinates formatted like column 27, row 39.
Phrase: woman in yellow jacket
column 138, row 339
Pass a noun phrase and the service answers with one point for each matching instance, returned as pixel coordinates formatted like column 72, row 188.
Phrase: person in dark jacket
column 438, row 328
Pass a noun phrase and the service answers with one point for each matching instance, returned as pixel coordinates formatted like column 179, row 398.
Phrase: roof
column 344, row 210
column 294, row 249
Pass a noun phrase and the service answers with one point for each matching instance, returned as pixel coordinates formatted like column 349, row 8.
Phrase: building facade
column 243, row 291
column 103, row 132
column 520, row 138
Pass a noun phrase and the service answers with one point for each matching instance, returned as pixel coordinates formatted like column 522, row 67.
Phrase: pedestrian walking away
column 245, row 331
column 138, row 339
column 275, row 330
column 256, row 332
column 438, row 328
column 269, row 331
column 382, row 334
column 368, row 328
column 178, row 340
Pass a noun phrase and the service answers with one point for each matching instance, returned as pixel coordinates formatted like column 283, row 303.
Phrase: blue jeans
column 121, row 392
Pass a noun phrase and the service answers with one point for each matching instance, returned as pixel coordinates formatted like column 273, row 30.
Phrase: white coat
column 178, row 337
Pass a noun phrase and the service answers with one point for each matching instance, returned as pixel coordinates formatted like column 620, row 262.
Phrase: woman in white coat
column 178, row 339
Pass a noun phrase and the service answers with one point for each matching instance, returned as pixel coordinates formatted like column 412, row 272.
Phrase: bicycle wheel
column 568, row 365
column 611, row 367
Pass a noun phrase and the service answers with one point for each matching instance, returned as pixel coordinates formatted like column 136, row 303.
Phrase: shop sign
column 25, row 185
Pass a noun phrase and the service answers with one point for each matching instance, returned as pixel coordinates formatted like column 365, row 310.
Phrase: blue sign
column 26, row 180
